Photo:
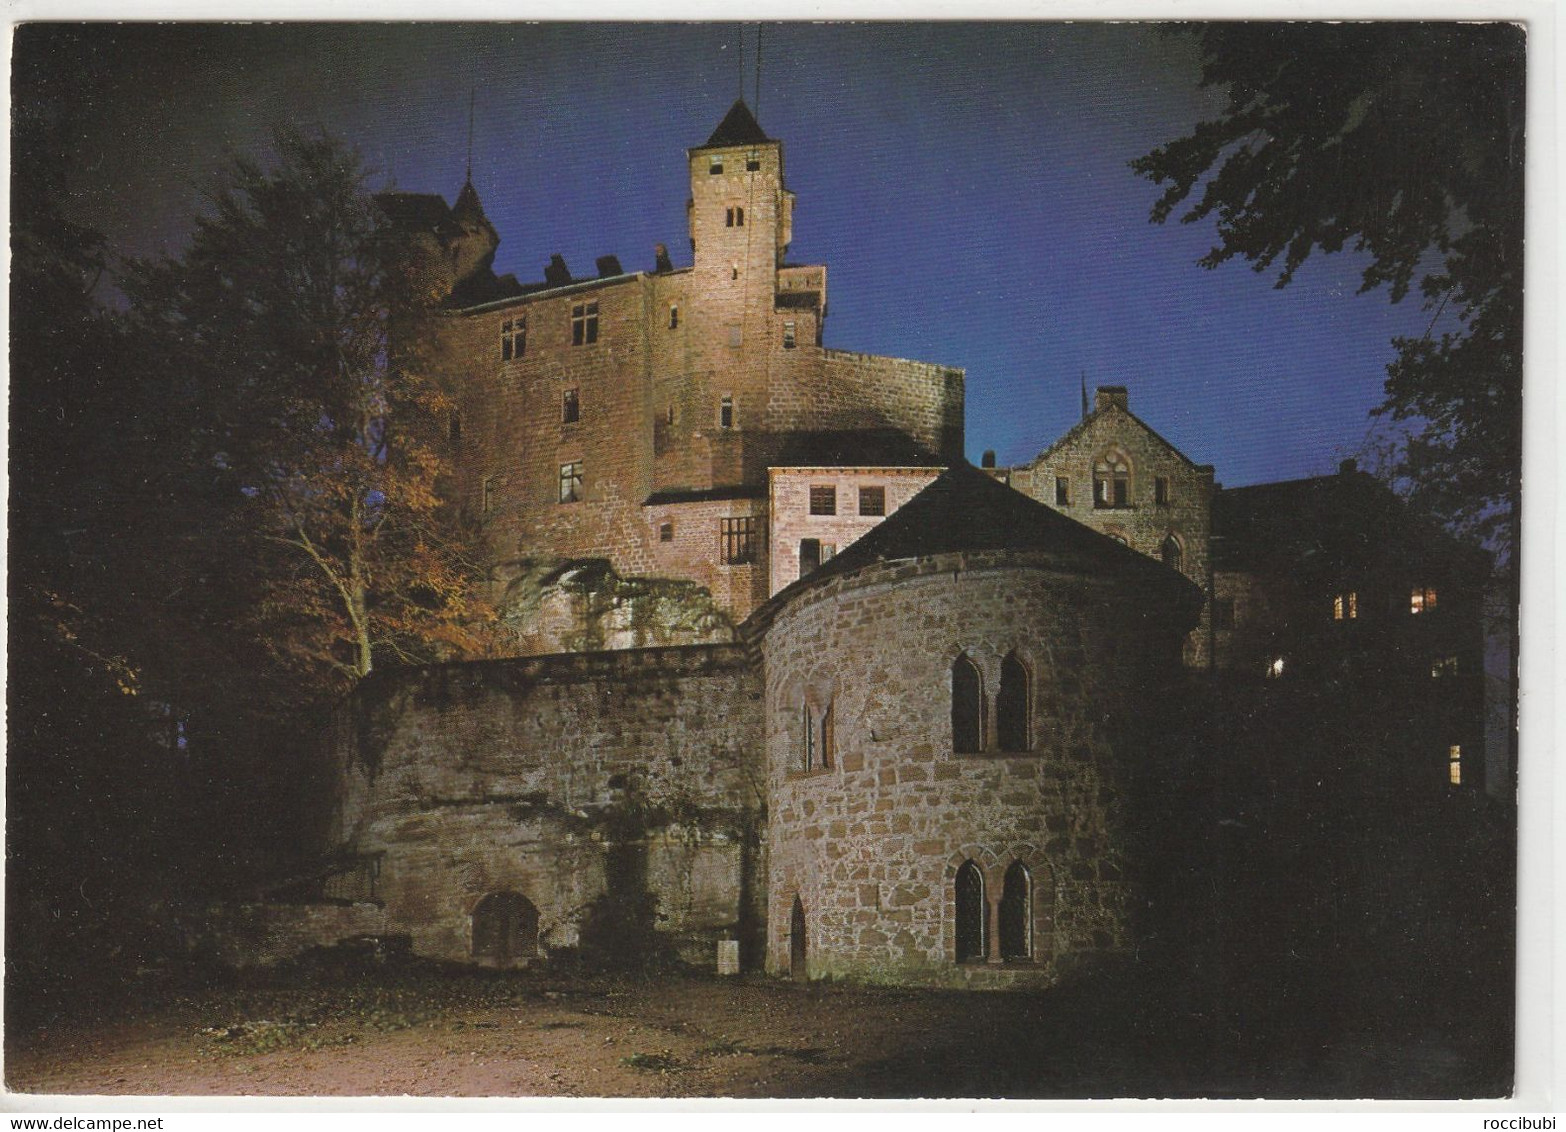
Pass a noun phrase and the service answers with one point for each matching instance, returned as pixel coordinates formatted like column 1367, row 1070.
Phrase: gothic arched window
column 1112, row 480
column 970, row 914
column 1016, row 913
column 1171, row 553
column 967, row 707
column 1011, row 705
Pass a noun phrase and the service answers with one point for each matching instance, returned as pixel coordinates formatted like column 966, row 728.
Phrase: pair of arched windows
column 1012, row 706
column 1013, row 915
column 818, row 734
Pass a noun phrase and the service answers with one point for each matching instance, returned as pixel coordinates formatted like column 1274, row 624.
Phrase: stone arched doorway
column 505, row 930
column 796, row 941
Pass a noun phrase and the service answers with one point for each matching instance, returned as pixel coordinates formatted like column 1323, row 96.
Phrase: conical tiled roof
column 468, row 206
column 965, row 510
column 739, row 127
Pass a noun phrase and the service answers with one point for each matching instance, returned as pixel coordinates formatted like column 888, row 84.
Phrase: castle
column 798, row 676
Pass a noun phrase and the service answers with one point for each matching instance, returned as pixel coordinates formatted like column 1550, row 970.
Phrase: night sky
column 967, row 186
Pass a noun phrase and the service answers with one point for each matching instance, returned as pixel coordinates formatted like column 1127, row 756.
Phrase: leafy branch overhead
column 1402, row 142
column 326, row 428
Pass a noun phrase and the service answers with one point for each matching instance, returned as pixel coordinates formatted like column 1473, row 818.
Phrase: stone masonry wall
column 528, row 776
column 871, row 844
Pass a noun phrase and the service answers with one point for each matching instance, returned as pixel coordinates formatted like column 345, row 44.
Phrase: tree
column 323, row 432
column 1404, row 142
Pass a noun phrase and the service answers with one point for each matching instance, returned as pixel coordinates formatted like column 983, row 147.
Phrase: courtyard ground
column 427, row 1031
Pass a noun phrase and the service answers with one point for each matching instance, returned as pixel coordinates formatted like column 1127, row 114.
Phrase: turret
column 740, row 214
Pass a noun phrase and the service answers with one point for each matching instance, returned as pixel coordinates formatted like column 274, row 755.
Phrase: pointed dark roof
column 739, row 127
column 964, row 510
column 1088, row 421
column 468, row 204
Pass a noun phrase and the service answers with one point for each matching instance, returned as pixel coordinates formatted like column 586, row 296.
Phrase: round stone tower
column 954, row 707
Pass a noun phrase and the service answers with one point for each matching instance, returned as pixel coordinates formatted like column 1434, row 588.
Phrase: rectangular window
column 734, row 217
column 788, row 336
column 1223, row 613
column 584, row 324
column 736, row 336
column 674, row 316
column 666, row 532
column 823, row 500
column 487, row 495
column 1454, row 764
column 872, row 501
column 753, row 162
column 1161, row 490
column 513, row 338
column 1422, row 599
column 726, row 411
column 1345, row 606
column 1062, row 491
column 571, row 482
column 1443, row 666
column 570, row 407
column 739, row 537
column 715, row 164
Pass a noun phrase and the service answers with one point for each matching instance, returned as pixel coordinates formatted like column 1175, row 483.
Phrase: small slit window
column 789, row 339
column 1454, row 764
column 726, row 411
column 1062, row 491
column 1161, row 490
column 674, row 316
column 570, row 407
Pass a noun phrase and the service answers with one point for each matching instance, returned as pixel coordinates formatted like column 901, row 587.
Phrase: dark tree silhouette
column 1404, row 142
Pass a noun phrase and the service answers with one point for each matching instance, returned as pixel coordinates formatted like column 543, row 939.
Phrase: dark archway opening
column 505, row 930
column 1171, row 554
column 1016, row 914
column 970, row 914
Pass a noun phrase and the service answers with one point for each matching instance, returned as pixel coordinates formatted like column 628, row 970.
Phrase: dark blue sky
column 967, row 186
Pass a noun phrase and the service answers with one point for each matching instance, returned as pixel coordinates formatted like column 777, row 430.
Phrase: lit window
column 571, row 482
column 1161, row 491
column 666, row 532
column 788, row 336
column 1112, row 481
column 823, row 500
column 726, row 412
column 1443, row 666
column 584, row 324
column 1345, row 606
column 570, row 407
column 513, row 338
column 674, row 316
column 734, row 217
column 1275, row 668
column 1454, row 763
column 1422, row 599
column 1062, row 491
column 872, row 501
column 487, row 495
column 739, row 537
column 715, row 164
column 752, row 161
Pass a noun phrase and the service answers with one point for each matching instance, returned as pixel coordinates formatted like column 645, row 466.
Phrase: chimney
column 988, row 459
column 1108, row 395
column 557, row 274
column 1348, row 467
column 609, row 265
column 661, row 261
